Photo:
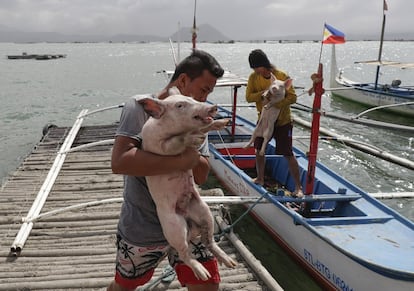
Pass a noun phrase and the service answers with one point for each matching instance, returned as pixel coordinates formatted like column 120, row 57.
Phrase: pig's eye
column 180, row 105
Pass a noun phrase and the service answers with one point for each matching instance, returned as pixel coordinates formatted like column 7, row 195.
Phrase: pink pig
column 270, row 113
column 178, row 122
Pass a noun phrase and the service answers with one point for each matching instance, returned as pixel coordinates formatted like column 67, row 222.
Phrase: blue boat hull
column 348, row 242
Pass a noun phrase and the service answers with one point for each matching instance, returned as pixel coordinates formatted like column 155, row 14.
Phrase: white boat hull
column 373, row 98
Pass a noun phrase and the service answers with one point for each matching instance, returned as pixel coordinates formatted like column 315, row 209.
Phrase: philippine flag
column 332, row 35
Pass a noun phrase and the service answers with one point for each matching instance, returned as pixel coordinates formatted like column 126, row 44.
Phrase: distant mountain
column 23, row 37
column 205, row 33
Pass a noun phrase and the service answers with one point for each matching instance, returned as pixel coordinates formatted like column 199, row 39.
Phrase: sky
column 236, row 19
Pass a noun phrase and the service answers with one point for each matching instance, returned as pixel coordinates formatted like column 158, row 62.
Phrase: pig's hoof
column 222, row 257
column 199, row 271
column 227, row 261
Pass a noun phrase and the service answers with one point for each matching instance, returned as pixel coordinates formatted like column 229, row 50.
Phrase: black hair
column 257, row 58
column 194, row 65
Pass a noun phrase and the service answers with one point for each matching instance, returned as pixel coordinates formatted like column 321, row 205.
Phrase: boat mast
column 385, row 8
column 334, row 68
column 194, row 30
column 317, row 80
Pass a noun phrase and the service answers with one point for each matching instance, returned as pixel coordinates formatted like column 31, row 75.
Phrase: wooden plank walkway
column 75, row 249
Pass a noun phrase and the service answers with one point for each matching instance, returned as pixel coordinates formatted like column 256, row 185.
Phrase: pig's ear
column 153, row 107
column 174, row 91
column 288, row 83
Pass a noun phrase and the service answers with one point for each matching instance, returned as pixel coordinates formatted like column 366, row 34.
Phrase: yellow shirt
column 257, row 84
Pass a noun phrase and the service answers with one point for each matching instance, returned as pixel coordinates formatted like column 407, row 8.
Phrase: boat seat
column 319, row 198
column 231, row 145
column 348, row 220
column 246, row 157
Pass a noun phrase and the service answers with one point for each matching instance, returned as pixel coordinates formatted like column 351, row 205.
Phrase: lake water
column 35, row 93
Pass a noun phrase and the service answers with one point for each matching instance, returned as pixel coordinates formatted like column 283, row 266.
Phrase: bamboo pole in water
column 364, row 148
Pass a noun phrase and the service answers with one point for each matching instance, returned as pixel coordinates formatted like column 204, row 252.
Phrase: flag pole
column 384, row 8
column 320, row 53
column 194, row 30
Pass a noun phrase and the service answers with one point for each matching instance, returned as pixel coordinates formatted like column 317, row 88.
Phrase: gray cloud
column 237, row 19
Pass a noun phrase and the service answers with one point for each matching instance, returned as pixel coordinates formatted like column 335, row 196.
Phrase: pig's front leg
column 175, row 144
column 216, row 125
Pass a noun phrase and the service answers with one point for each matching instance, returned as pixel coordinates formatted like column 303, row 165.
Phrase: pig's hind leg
column 200, row 214
column 175, row 230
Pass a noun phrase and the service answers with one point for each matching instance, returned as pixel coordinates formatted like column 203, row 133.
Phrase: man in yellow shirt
column 259, row 81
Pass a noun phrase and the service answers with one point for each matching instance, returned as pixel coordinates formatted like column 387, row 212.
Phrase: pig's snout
column 206, row 115
column 213, row 111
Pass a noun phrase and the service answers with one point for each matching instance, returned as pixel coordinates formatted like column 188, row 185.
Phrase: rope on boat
column 167, row 276
column 228, row 228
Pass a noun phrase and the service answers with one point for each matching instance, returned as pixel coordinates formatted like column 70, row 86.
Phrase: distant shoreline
column 214, row 42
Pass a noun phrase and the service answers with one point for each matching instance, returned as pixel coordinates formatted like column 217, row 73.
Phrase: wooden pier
column 73, row 248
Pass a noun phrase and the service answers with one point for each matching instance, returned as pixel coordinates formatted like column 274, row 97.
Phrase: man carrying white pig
column 141, row 243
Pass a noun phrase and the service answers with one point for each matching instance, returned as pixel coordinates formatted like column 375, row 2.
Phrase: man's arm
column 128, row 159
column 252, row 95
column 201, row 170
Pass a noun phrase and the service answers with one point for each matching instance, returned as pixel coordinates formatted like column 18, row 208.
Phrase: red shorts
column 186, row 276
column 135, row 265
column 283, row 137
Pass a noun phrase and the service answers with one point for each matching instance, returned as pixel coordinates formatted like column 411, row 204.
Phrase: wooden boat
column 49, row 57
column 391, row 97
column 345, row 238
column 23, row 56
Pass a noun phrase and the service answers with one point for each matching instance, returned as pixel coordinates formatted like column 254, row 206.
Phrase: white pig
column 178, row 122
column 266, row 124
